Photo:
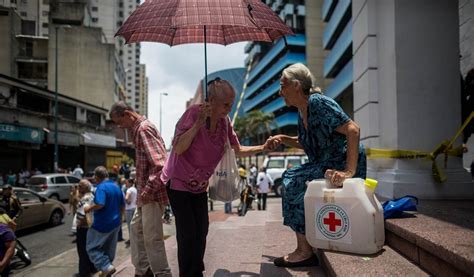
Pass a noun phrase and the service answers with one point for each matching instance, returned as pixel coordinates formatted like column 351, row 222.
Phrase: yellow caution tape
column 444, row 147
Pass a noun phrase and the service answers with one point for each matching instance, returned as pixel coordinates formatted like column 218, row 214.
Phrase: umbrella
column 223, row 22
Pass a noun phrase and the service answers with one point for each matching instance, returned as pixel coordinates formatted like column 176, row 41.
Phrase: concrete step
column 441, row 248
column 385, row 263
column 279, row 241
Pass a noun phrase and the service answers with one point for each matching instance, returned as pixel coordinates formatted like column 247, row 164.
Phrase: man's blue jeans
column 101, row 247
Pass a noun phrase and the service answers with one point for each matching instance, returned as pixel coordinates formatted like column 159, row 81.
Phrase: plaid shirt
column 150, row 157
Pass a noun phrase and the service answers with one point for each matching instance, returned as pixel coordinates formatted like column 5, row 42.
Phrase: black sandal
column 311, row 261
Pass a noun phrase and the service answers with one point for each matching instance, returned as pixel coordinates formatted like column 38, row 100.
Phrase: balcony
column 290, row 118
column 340, row 53
column 341, row 15
column 265, row 94
column 273, row 106
column 274, row 71
column 328, row 9
column 277, row 49
column 343, row 80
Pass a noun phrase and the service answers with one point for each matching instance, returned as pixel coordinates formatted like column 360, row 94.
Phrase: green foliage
column 255, row 125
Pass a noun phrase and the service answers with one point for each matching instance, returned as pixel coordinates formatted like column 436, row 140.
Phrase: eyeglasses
column 217, row 79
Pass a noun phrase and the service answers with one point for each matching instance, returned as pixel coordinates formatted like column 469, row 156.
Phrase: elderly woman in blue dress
column 331, row 141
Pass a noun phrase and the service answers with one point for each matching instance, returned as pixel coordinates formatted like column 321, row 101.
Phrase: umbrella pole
column 208, row 120
column 205, row 65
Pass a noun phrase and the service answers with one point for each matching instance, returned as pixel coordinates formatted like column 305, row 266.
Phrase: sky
column 177, row 71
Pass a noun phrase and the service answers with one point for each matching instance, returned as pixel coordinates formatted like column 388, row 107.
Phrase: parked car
column 53, row 185
column 277, row 163
column 38, row 209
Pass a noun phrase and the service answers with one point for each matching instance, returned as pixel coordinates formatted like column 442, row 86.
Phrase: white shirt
column 78, row 172
column 263, row 182
column 132, row 191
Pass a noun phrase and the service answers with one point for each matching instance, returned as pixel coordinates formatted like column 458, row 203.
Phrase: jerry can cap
column 371, row 183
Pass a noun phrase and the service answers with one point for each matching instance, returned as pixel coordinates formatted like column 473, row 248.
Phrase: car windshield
column 294, row 162
column 276, row 164
column 37, row 181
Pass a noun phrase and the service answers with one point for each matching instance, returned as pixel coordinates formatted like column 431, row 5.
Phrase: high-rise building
column 266, row 62
column 34, row 15
column 142, row 104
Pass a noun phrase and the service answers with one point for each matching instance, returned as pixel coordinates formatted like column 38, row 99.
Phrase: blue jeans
column 101, row 247
column 228, row 208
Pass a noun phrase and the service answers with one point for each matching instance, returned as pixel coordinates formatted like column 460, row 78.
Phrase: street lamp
column 56, row 154
column 161, row 102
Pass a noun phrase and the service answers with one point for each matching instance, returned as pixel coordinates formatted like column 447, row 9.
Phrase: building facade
column 266, row 62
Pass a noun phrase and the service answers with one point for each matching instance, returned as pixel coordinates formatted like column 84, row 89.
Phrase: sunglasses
column 217, row 79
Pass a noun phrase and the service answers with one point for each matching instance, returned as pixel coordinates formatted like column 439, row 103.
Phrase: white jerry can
column 347, row 219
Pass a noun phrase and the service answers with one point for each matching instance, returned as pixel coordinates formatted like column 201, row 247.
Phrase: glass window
column 276, row 164
column 94, row 9
column 27, row 197
column 73, row 180
column 93, row 118
column 37, row 181
column 67, row 111
column 294, row 162
column 95, row 19
column 60, row 180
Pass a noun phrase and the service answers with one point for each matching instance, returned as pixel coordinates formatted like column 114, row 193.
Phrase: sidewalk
column 66, row 264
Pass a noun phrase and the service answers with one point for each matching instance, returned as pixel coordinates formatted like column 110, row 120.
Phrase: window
column 59, row 180
column 95, row 9
column 120, row 14
column 32, row 102
column 45, row 25
column 67, row 111
column 24, row 14
column 28, row 27
column 93, row 118
column 276, row 164
column 27, row 197
column 294, row 162
column 95, row 19
column 73, row 180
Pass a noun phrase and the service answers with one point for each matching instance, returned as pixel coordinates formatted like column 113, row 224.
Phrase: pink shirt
column 191, row 170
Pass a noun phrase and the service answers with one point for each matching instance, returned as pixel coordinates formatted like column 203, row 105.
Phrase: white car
column 54, row 185
column 277, row 163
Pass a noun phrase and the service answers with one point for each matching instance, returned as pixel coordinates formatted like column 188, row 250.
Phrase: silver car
column 53, row 185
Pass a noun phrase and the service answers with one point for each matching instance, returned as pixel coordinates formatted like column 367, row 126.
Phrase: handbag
column 395, row 208
column 224, row 183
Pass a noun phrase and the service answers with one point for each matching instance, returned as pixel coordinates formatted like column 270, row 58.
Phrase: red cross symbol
column 332, row 222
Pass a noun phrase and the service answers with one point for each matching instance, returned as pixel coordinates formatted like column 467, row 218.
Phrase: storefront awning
column 12, row 132
column 92, row 139
column 67, row 139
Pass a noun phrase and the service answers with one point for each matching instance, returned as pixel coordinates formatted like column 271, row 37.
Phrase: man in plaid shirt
column 146, row 238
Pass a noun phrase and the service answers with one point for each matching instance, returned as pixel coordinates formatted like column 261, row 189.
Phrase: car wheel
column 56, row 218
column 278, row 188
column 54, row 196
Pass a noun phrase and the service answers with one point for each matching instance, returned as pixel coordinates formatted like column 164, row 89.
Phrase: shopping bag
column 224, row 183
column 395, row 208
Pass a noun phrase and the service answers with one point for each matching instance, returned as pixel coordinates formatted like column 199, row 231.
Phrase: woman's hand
column 272, row 143
column 337, row 177
column 204, row 113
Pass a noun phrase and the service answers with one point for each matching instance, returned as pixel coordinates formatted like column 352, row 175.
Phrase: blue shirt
column 108, row 195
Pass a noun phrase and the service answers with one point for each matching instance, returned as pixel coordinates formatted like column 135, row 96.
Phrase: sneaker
column 108, row 272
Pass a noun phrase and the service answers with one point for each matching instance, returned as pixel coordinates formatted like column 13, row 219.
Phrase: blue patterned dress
column 326, row 149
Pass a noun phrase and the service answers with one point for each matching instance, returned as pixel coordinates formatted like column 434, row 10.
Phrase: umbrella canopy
column 177, row 22
column 224, row 22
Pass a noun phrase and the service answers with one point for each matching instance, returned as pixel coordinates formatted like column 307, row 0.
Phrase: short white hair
column 298, row 72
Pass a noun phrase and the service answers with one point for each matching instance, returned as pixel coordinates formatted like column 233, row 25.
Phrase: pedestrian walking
column 195, row 154
column 108, row 207
column 264, row 183
column 131, row 204
column 146, row 241
column 78, row 172
column 86, row 199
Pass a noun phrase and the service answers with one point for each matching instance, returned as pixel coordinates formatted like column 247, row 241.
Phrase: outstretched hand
column 272, row 143
column 337, row 177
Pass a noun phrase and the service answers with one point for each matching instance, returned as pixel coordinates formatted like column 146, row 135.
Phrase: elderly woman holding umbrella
column 331, row 141
column 195, row 154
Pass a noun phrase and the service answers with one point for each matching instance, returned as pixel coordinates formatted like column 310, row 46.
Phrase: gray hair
column 218, row 86
column 85, row 184
column 101, row 172
column 298, row 72
column 119, row 109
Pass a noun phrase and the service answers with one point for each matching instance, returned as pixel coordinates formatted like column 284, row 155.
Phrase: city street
column 44, row 242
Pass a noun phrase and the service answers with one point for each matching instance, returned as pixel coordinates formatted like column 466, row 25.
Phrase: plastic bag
column 224, row 183
column 395, row 208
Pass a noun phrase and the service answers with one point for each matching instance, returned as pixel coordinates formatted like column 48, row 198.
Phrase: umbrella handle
column 208, row 120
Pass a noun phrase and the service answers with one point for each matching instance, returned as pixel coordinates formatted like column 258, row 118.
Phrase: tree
column 255, row 125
